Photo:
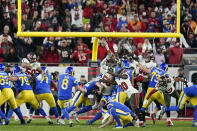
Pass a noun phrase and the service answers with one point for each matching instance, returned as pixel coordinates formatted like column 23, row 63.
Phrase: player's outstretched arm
column 100, row 86
column 141, row 67
column 81, row 89
column 13, row 78
column 109, row 122
column 25, row 65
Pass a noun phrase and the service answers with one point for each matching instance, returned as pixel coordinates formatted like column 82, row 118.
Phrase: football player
column 120, row 113
column 65, row 84
column 25, row 92
column 91, row 87
column 188, row 94
column 7, row 94
column 43, row 92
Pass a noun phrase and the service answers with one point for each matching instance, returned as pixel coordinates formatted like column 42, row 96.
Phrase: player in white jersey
column 31, row 66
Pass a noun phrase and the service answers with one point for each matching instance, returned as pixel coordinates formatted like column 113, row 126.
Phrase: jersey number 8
column 64, row 84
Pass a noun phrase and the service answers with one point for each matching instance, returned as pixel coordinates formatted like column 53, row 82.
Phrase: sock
column 31, row 110
column 55, row 111
column 129, row 124
column 195, row 114
column 98, row 116
column 172, row 108
column 10, row 113
column 168, row 119
column 3, row 116
column 85, row 109
column 70, row 109
column 168, row 113
column 115, row 116
column 41, row 111
column 19, row 114
column 65, row 114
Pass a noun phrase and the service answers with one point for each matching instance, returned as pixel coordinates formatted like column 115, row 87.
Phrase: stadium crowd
column 96, row 16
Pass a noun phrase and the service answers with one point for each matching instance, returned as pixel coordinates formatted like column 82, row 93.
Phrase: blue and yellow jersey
column 43, row 85
column 155, row 74
column 65, row 85
column 118, row 105
column 4, row 80
column 22, row 82
column 90, row 86
column 191, row 91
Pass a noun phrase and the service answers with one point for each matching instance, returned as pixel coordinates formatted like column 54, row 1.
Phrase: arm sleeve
column 152, row 92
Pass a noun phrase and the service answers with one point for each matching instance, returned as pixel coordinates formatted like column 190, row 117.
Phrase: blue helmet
column 100, row 76
column 16, row 69
column 125, row 64
column 2, row 67
column 45, row 70
column 106, row 99
column 70, row 71
column 164, row 66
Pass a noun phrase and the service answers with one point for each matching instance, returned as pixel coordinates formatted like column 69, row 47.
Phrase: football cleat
column 194, row 124
column 29, row 120
column 142, row 124
column 76, row 117
column 60, row 122
column 118, row 127
column 153, row 117
column 162, row 112
column 23, row 122
column 70, row 123
column 49, row 120
column 170, row 123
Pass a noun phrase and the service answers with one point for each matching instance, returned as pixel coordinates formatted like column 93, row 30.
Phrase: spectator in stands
column 159, row 56
column 192, row 23
column 192, row 41
column 51, row 56
column 6, row 21
column 76, row 15
column 186, row 29
column 65, row 50
column 6, row 30
column 175, row 54
column 81, row 55
column 12, row 56
column 102, row 51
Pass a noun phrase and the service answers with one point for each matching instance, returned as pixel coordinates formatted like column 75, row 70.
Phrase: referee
column 179, row 85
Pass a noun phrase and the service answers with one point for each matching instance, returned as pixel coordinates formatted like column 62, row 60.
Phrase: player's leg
column 87, row 106
column 19, row 100
column 2, row 101
column 62, row 105
column 76, row 102
column 34, row 102
column 193, row 101
column 13, row 105
column 97, row 117
column 195, row 117
column 116, row 117
column 51, row 101
column 167, row 101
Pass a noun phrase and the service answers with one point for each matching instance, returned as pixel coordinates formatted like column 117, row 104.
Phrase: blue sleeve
column 75, row 82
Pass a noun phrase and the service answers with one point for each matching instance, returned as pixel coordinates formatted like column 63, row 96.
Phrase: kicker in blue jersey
column 65, row 84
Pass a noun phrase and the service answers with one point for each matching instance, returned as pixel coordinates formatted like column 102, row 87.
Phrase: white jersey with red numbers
column 125, row 85
column 32, row 69
column 148, row 65
column 107, row 87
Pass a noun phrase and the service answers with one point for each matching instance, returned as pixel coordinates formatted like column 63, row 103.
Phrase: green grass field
column 42, row 125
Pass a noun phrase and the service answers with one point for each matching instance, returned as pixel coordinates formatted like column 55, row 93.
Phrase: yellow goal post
column 98, row 34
